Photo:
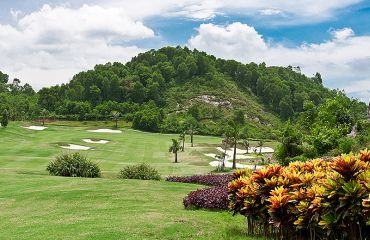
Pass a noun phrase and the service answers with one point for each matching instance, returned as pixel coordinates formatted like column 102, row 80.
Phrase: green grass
column 45, row 207
column 30, row 151
column 34, row 205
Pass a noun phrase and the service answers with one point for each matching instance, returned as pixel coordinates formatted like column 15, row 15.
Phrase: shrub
column 211, row 198
column 316, row 199
column 214, row 198
column 140, row 171
column 210, row 179
column 73, row 165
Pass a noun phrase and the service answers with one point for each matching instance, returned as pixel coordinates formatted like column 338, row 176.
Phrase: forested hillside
column 158, row 91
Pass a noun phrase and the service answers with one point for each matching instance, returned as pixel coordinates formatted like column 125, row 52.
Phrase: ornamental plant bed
column 317, row 199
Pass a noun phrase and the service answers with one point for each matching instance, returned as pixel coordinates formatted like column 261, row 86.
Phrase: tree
column 246, row 144
column 234, row 132
column 115, row 117
column 44, row 114
column 182, row 139
column 5, row 118
column 192, row 124
column 238, row 117
column 175, row 147
column 260, row 145
column 225, row 143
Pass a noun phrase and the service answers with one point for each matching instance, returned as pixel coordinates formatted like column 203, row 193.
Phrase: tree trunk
column 234, row 156
column 175, row 157
column 116, row 123
column 183, row 145
column 191, row 139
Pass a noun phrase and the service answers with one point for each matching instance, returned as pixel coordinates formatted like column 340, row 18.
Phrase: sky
column 46, row 42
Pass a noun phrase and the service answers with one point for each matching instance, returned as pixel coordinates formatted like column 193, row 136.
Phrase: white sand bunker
column 105, row 131
column 95, row 141
column 238, row 165
column 229, row 158
column 37, row 128
column 250, row 150
column 75, row 147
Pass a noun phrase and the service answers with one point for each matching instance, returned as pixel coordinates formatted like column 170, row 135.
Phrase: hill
column 163, row 90
column 170, row 83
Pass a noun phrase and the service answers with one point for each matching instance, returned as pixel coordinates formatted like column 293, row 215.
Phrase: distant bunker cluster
column 86, row 140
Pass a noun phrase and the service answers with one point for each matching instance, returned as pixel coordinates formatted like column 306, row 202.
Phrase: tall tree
column 260, row 145
column 234, row 132
column 115, row 117
column 175, row 147
column 246, row 144
column 5, row 118
column 192, row 124
column 182, row 139
column 44, row 114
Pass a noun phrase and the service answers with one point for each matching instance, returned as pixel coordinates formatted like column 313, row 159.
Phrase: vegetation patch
column 214, row 198
column 73, row 165
column 210, row 179
column 317, row 199
column 140, row 171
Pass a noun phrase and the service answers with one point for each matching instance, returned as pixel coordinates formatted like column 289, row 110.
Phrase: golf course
column 34, row 205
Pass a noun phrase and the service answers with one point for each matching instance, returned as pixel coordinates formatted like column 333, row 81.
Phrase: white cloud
column 296, row 11
column 270, row 12
column 342, row 61
column 48, row 44
column 342, row 34
column 15, row 14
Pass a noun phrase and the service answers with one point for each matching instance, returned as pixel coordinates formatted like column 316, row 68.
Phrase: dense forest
column 164, row 90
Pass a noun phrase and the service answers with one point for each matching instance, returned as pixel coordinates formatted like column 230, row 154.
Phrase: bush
column 322, row 199
column 210, row 180
column 215, row 198
column 346, row 144
column 140, row 171
column 73, row 165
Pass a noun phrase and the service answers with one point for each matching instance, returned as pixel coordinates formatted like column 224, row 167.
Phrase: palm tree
column 175, row 147
column 115, row 117
column 260, row 144
column 182, row 139
column 44, row 114
column 191, row 123
column 225, row 144
column 246, row 144
column 234, row 132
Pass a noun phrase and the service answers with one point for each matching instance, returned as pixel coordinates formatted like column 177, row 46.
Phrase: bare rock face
column 212, row 100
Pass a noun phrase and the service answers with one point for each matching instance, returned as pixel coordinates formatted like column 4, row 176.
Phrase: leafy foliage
column 210, row 180
column 316, row 199
column 73, row 165
column 4, row 118
column 141, row 171
column 214, row 198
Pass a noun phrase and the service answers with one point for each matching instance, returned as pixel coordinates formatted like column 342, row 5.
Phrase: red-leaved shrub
column 215, row 198
column 209, row 180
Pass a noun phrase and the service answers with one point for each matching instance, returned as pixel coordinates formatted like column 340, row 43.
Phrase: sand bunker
column 105, row 131
column 95, row 141
column 37, row 128
column 229, row 156
column 75, row 147
column 238, row 165
column 250, row 150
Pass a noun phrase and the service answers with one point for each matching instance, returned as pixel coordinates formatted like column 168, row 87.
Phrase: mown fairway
column 29, row 151
column 34, row 205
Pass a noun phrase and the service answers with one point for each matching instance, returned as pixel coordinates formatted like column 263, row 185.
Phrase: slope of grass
column 45, row 207
column 34, row 205
column 26, row 150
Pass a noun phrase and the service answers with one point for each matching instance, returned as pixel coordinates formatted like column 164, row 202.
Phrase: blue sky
column 47, row 42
